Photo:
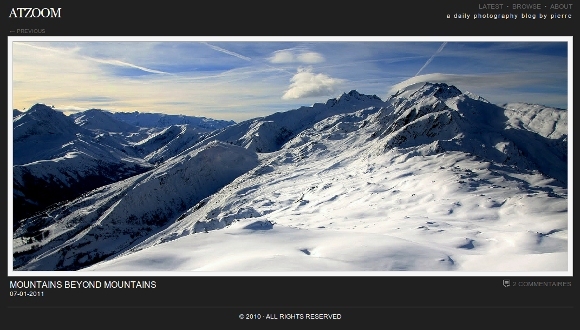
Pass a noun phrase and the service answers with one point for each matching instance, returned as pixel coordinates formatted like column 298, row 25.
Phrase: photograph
column 296, row 156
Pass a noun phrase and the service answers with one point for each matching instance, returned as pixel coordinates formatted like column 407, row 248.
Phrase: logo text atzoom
column 34, row 12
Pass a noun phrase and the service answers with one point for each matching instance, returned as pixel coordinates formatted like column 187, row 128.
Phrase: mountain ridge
column 306, row 162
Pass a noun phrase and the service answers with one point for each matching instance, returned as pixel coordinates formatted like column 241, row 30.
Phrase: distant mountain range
column 58, row 157
column 97, row 185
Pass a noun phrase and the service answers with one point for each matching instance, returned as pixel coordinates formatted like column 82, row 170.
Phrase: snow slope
column 389, row 213
column 114, row 217
column 168, row 142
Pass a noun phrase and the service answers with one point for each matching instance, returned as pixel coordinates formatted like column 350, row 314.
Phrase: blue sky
column 239, row 80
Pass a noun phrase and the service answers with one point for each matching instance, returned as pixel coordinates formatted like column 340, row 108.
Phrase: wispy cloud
column 487, row 86
column 97, row 60
column 492, row 80
column 188, row 77
column 225, row 51
column 125, row 64
column 431, row 58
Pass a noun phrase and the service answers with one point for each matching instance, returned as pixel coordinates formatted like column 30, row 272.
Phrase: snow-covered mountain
column 111, row 219
column 168, row 142
column 430, row 179
column 164, row 120
column 442, row 118
column 55, row 160
column 267, row 134
column 97, row 119
column 57, row 157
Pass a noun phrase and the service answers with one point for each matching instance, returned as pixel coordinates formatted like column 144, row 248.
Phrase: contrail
column 98, row 60
column 125, row 64
column 431, row 59
column 227, row 52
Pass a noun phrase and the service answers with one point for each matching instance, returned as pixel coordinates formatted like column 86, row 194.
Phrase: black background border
column 413, row 299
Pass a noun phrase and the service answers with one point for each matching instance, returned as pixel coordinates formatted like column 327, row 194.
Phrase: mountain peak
column 353, row 93
column 42, row 123
column 438, row 90
column 41, row 108
column 44, row 113
column 351, row 96
column 38, row 106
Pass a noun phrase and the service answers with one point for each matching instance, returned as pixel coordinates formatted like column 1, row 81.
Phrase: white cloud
column 282, row 56
column 290, row 56
column 310, row 57
column 306, row 84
